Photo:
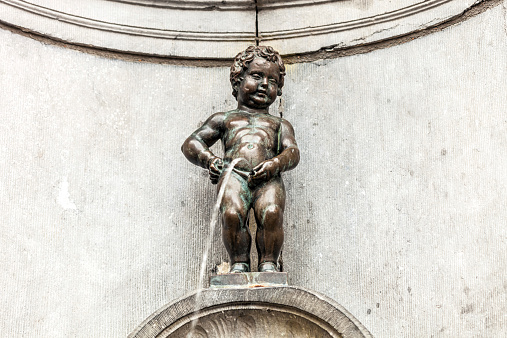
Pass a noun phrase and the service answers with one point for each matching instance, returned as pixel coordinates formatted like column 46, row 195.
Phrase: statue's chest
column 252, row 124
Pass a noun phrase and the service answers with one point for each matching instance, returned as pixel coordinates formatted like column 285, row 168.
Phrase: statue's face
column 259, row 86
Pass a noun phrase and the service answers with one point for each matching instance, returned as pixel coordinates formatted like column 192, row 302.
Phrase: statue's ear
column 279, row 92
column 235, row 85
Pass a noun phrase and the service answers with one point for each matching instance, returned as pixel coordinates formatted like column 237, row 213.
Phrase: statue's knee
column 273, row 213
column 231, row 217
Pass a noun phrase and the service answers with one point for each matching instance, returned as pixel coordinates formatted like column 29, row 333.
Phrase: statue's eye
column 273, row 81
column 255, row 76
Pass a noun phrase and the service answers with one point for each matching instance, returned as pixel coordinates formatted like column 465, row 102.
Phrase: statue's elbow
column 296, row 156
column 186, row 148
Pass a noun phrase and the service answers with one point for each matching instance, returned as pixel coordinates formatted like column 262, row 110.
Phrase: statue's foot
column 268, row 267
column 240, row 268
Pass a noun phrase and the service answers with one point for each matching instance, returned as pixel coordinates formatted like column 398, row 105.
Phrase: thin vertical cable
column 256, row 24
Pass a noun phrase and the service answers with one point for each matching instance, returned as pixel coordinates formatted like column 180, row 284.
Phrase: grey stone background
column 397, row 210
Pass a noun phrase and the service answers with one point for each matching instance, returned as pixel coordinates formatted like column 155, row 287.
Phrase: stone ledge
column 249, row 280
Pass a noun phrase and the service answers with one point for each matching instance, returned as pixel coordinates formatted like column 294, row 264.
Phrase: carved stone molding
column 252, row 312
column 129, row 28
column 343, row 24
column 218, row 29
column 223, row 5
column 195, row 4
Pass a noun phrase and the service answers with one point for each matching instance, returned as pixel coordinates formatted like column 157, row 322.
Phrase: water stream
column 211, row 232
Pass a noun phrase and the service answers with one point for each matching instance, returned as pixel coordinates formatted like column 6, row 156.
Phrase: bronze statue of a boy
column 266, row 146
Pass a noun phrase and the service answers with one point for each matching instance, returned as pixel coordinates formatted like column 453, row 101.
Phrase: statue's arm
column 196, row 146
column 289, row 156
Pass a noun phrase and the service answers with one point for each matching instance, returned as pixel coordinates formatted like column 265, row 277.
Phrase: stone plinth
column 249, row 280
column 282, row 311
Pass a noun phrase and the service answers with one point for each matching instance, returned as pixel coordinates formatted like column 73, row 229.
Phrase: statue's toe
column 240, row 268
column 268, row 267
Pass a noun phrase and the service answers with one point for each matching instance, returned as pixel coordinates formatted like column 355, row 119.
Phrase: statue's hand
column 215, row 169
column 263, row 172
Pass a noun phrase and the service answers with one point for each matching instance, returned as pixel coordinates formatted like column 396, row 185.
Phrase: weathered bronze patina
column 266, row 146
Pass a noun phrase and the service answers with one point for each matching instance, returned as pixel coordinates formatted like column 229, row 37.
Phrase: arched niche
column 213, row 29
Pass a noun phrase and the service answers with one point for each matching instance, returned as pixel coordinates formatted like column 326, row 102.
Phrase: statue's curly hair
column 243, row 59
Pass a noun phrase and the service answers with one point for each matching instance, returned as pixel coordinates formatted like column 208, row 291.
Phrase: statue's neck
column 253, row 110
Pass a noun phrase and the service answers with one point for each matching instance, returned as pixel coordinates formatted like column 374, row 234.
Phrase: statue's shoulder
column 279, row 120
column 218, row 115
column 216, row 118
column 284, row 121
column 286, row 125
column 231, row 112
column 220, row 119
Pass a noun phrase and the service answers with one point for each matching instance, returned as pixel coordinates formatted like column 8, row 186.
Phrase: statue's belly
column 253, row 153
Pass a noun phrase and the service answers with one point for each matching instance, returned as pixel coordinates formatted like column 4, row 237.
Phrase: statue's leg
column 235, row 233
column 269, row 204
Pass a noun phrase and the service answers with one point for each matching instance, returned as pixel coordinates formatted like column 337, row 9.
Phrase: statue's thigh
column 237, row 196
column 269, row 198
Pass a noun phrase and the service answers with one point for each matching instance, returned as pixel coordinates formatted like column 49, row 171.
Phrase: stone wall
column 396, row 211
